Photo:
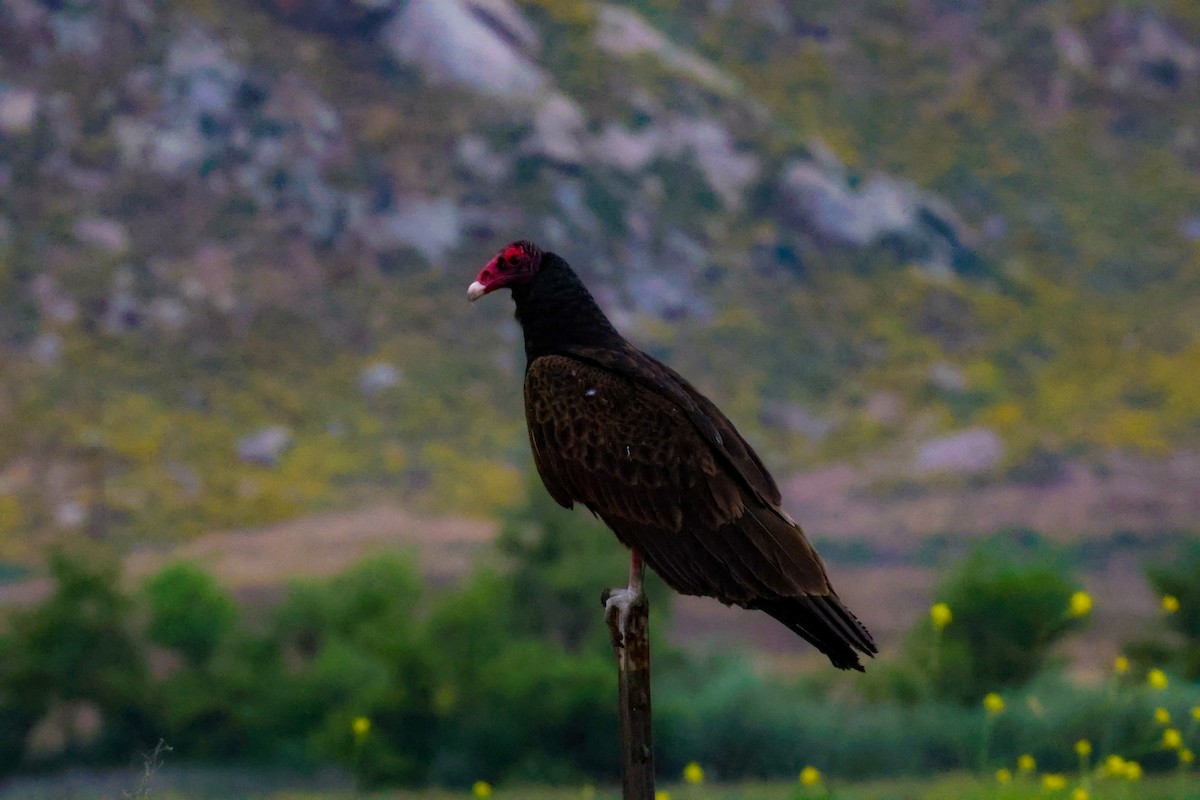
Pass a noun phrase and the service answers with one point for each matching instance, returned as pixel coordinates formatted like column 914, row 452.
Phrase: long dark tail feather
column 824, row 623
column 859, row 637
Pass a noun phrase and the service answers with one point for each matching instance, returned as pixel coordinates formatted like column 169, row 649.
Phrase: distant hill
column 951, row 249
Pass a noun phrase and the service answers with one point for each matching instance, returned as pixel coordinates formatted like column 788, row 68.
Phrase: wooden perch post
column 632, row 650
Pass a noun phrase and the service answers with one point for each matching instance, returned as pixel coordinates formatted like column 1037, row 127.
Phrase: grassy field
column 205, row 785
column 949, row 787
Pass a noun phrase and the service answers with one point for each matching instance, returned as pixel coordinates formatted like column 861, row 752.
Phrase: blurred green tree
column 189, row 611
column 226, row 707
column 1010, row 606
column 515, row 703
column 1181, row 581
column 76, row 649
column 353, row 647
column 559, row 562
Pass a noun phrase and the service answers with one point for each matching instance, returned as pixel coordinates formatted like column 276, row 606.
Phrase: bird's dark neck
column 556, row 310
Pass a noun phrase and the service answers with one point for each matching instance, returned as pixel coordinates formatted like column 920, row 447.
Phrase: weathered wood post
column 632, row 650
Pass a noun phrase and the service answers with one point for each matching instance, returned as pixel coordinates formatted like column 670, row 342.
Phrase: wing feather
column 713, row 426
column 600, row 440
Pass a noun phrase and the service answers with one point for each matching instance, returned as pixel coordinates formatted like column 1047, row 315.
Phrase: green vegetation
column 508, row 678
column 75, row 650
column 948, row 787
column 1179, row 587
column 211, row 785
column 1008, row 615
column 188, row 612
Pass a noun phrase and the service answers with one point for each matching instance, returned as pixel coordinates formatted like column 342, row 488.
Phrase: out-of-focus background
column 265, row 492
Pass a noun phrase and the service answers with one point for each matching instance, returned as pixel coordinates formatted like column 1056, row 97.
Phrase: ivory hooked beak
column 475, row 291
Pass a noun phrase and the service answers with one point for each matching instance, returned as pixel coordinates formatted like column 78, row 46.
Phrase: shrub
column 1009, row 608
column 535, row 713
column 1181, row 580
column 189, row 612
column 76, row 648
column 559, row 562
column 234, row 705
column 355, row 647
column 741, row 724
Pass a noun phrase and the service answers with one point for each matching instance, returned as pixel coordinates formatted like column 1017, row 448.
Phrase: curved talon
column 619, row 603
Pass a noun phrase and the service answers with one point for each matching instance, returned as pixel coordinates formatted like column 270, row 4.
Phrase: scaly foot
column 617, row 605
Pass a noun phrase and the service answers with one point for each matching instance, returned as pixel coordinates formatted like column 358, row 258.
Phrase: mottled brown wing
column 710, row 423
column 623, row 451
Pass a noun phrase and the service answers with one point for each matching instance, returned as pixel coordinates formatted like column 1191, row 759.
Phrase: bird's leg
column 619, row 602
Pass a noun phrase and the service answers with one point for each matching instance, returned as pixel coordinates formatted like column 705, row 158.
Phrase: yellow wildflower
column 481, row 789
column 993, row 702
column 1133, row 770
column 1186, row 756
column 810, row 776
column 1114, row 766
column 1196, row 713
column 1003, row 776
column 361, row 726
column 1171, row 739
column 940, row 615
column 1121, row 665
column 1080, row 793
column 1162, row 716
column 1081, row 604
column 662, row 795
column 1083, row 748
column 693, row 773
column 1026, row 763
column 1053, row 782
column 1170, row 603
column 1157, row 679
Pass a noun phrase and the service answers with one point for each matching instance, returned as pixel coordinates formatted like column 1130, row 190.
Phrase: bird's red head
column 512, row 266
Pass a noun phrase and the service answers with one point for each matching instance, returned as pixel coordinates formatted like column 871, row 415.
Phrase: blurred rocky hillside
column 917, row 251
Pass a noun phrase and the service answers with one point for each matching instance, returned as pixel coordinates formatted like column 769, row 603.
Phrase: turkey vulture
column 629, row 438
